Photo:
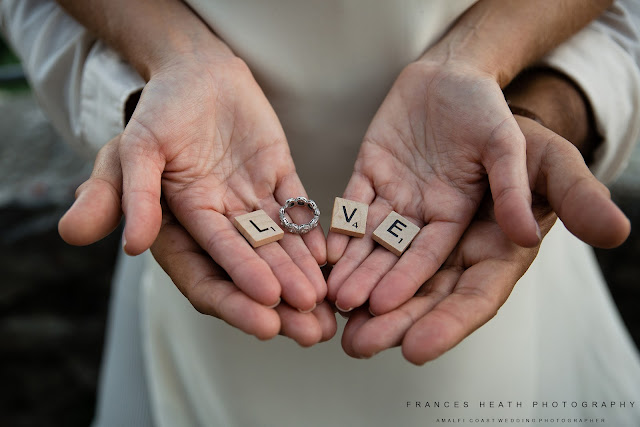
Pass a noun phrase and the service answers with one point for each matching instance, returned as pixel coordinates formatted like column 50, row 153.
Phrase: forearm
column 502, row 37
column 147, row 33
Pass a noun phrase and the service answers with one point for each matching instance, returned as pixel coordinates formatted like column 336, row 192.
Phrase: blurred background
column 54, row 297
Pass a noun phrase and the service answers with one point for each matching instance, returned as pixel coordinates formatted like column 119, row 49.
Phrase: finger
column 360, row 190
column 290, row 186
column 327, row 320
column 303, row 328
column 478, row 295
column 505, row 161
column 357, row 288
column 220, row 239
column 297, row 290
column 96, row 211
column 308, row 266
column 388, row 330
column 582, row 203
column 427, row 253
column 142, row 167
column 207, row 286
column 357, row 250
column 301, row 256
column 356, row 320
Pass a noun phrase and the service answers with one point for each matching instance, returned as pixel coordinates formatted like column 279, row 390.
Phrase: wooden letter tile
column 258, row 228
column 349, row 217
column 396, row 233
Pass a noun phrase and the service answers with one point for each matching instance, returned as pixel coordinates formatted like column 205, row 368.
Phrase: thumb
column 142, row 167
column 505, row 162
column 96, row 211
column 581, row 201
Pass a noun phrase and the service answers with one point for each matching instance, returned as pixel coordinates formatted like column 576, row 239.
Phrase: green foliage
column 7, row 58
column 6, row 55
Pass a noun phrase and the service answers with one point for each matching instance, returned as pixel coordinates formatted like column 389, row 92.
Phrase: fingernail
column 342, row 309
column 371, row 312
column 276, row 304
column 308, row 311
column 124, row 244
column 538, row 232
column 325, row 263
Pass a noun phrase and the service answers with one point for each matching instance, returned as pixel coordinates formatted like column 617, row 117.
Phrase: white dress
column 556, row 350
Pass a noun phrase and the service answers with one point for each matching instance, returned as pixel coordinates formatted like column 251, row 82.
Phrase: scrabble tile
column 349, row 217
column 258, row 228
column 396, row 233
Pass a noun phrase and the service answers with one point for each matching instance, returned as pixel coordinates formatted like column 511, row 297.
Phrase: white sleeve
column 81, row 84
column 602, row 60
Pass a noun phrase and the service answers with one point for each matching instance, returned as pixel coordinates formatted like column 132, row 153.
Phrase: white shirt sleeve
column 81, row 84
column 602, row 60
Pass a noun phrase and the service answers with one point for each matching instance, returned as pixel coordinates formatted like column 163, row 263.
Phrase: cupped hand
column 481, row 271
column 427, row 153
column 204, row 135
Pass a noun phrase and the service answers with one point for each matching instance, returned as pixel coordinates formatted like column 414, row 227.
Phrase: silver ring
column 292, row 227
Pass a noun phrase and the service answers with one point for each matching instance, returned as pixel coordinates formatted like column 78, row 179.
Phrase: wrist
column 148, row 34
column 490, row 37
column 460, row 53
column 501, row 38
column 189, row 43
column 183, row 41
column 558, row 103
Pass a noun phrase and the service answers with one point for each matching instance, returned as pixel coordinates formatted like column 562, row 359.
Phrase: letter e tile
column 258, row 228
column 349, row 217
column 395, row 233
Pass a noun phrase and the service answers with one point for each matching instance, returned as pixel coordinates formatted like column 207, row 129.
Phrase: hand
column 480, row 273
column 426, row 155
column 204, row 132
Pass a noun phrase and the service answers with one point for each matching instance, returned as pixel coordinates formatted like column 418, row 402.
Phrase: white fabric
column 123, row 397
column 617, row 114
column 326, row 67
column 80, row 84
column 558, row 338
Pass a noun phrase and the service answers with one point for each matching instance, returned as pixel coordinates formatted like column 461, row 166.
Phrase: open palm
column 205, row 138
column 426, row 155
